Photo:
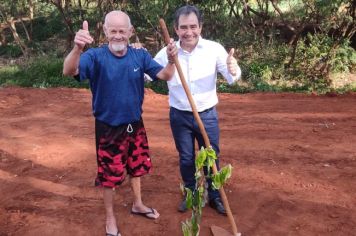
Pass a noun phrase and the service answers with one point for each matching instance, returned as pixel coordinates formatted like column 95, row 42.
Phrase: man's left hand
column 137, row 45
column 231, row 62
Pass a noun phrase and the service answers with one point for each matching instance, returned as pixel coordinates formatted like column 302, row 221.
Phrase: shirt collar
column 200, row 44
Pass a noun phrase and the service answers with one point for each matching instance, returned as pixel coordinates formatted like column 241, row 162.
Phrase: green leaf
column 187, row 228
column 198, row 201
column 195, row 226
column 198, row 175
column 210, row 160
column 211, row 153
column 221, row 177
column 200, row 159
column 189, row 198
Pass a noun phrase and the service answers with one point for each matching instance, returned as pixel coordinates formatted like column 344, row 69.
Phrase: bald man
column 116, row 75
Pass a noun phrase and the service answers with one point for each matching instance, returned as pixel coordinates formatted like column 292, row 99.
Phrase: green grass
column 46, row 72
column 39, row 73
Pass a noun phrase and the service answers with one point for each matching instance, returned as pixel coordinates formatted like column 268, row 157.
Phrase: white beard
column 118, row 47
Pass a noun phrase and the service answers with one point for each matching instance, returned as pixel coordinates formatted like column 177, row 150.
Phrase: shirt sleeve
column 86, row 65
column 222, row 66
column 161, row 57
column 152, row 67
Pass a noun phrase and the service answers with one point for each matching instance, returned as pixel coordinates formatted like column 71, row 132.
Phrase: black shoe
column 183, row 206
column 217, row 204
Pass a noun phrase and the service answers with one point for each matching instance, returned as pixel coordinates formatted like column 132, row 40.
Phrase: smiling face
column 188, row 31
column 118, row 30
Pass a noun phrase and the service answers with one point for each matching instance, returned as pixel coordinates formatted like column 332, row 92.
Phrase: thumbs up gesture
column 231, row 62
column 82, row 37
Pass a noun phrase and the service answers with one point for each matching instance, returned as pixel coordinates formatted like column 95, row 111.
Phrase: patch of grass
column 10, row 51
column 39, row 73
column 7, row 75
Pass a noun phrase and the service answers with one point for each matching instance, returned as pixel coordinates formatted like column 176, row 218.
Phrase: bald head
column 118, row 30
column 117, row 18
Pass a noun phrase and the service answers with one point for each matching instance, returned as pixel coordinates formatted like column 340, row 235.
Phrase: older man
column 116, row 75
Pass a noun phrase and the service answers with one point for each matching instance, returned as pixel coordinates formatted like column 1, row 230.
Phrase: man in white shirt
column 200, row 60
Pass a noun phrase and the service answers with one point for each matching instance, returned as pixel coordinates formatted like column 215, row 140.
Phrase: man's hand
column 168, row 71
column 82, row 37
column 231, row 62
column 137, row 46
column 172, row 51
column 71, row 62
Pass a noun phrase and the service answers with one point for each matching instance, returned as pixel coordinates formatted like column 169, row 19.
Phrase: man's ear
column 131, row 31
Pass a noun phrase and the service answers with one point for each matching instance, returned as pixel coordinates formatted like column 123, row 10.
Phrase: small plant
column 195, row 199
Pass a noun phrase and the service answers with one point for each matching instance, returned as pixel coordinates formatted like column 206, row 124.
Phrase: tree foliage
column 283, row 43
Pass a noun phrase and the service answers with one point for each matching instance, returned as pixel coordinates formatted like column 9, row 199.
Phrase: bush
column 47, row 26
column 158, row 86
column 317, row 58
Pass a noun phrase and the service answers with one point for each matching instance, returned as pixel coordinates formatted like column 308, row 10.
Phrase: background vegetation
column 283, row 45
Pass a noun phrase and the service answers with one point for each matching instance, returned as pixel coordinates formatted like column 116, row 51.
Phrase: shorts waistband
column 134, row 123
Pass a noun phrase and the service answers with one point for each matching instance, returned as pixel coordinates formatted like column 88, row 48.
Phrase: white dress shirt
column 200, row 69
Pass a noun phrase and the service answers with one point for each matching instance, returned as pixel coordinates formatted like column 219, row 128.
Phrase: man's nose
column 118, row 36
column 189, row 32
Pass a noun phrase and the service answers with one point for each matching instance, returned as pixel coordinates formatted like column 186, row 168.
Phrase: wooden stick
column 200, row 124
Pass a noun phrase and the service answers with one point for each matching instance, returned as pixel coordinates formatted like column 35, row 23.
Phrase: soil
column 293, row 158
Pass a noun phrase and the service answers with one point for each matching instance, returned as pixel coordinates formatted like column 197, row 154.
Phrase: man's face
column 188, row 31
column 118, row 33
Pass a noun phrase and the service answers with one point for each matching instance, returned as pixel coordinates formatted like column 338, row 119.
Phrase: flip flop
column 108, row 234
column 145, row 214
column 117, row 234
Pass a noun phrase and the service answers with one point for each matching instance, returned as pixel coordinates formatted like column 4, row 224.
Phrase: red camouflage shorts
column 119, row 149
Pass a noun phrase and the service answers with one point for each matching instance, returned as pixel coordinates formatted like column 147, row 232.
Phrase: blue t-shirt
column 117, row 83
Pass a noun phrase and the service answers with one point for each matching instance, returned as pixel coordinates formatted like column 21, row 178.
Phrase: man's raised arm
column 71, row 62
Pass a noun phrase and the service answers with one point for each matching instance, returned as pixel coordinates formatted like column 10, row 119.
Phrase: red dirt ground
column 294, row 159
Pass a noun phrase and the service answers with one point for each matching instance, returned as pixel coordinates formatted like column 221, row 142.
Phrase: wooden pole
column 200, row 124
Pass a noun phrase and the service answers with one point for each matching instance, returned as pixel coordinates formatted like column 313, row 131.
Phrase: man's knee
column 187, row 161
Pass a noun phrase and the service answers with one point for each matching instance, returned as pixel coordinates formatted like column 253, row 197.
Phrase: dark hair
column 186, row 10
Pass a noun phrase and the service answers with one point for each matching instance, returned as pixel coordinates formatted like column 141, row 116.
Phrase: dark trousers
column 185, row 131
